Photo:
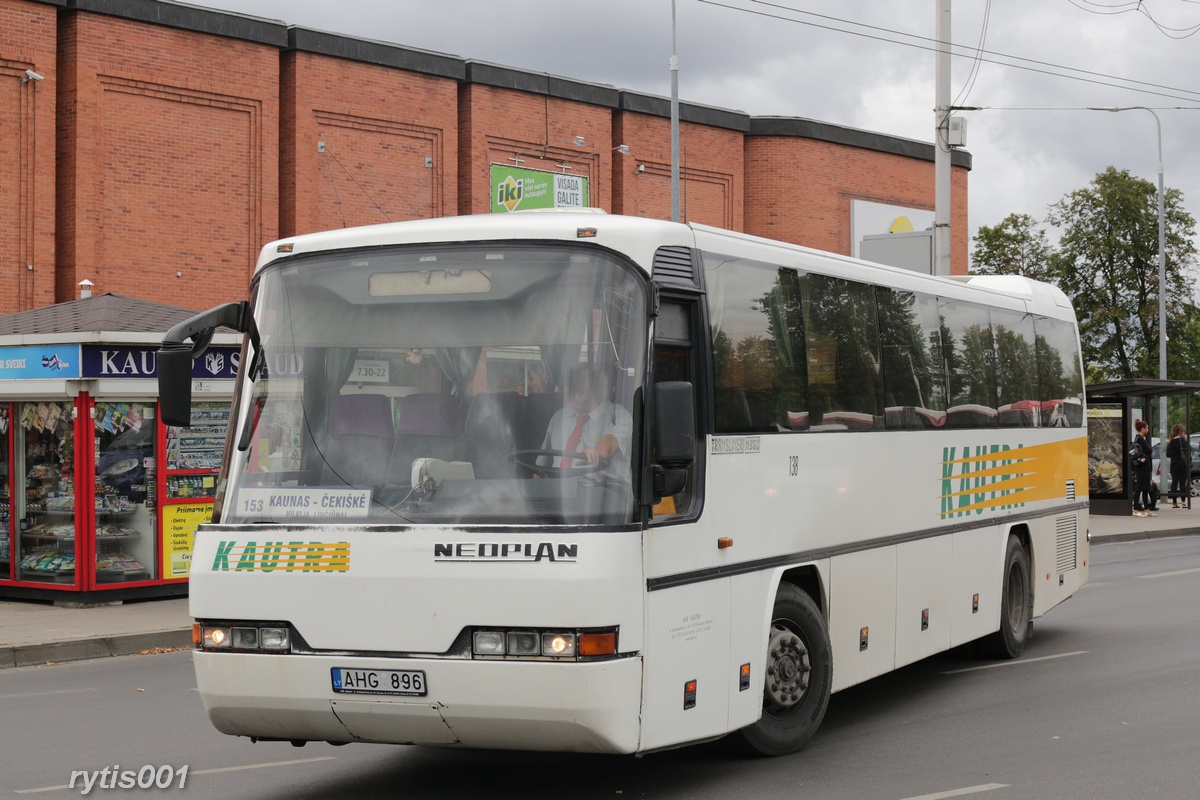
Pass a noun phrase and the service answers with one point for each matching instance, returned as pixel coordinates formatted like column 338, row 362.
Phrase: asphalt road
column 1104, row 704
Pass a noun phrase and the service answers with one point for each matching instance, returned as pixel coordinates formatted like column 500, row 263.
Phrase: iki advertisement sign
column 514, row 188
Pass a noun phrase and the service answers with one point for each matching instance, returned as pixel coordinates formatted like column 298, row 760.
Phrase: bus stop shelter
column 1113, row 407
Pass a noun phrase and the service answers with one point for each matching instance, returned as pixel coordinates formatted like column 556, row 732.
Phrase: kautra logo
column 994, row 477
column 282, row 557
column 983, row 477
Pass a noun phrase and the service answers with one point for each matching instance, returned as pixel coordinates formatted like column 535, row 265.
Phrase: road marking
column 983, row 787
column 1171, row 574
column 43, row 694
column 1016, row 663
column 202, row 772
column 260, row 766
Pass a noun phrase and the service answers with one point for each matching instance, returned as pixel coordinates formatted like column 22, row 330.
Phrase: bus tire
column 1015, row 605
column 797, row 677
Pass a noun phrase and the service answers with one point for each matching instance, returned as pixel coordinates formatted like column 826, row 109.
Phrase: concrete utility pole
column 941, row 133
column 1162, row 293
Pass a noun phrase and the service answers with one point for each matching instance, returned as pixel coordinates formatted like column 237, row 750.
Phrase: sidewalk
column 39, row 633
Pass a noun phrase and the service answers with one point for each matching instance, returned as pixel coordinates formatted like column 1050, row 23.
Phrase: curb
column 1137, row 536
column 80, row 649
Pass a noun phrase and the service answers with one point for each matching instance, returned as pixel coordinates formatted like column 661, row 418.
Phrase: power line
column 1139, row 7
column 970, row 82
column 1168, row 93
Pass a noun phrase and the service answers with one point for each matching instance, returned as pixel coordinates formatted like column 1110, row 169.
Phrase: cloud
column 768, row 59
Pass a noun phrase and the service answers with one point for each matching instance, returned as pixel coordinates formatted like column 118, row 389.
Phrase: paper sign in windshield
column 305, row 502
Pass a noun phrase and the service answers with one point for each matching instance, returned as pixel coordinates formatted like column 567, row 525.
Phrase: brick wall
column 800, row 190
column 28, row 40
column 531, row 131
column 169, row 180
column 168, row 144
column 379, row 127
column 711, row 171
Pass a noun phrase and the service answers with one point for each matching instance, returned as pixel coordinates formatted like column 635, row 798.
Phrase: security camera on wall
column 30, row 75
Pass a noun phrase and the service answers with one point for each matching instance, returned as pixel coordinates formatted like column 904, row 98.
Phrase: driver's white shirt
column 602, row 420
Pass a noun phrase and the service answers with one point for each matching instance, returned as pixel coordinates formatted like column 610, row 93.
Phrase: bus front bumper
column 571, row 706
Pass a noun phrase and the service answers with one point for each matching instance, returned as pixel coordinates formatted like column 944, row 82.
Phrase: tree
column 1017, row 246
column 1107, row 263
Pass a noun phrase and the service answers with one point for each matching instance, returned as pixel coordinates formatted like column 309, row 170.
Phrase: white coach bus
column 581, row 482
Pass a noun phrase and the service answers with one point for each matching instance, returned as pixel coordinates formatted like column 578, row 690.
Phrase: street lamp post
column 674, row 122
column 1162, row 286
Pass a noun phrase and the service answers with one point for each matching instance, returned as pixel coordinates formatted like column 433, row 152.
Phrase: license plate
column 405, row 682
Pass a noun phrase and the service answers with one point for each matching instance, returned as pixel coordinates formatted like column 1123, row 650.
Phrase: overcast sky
column 861, row 64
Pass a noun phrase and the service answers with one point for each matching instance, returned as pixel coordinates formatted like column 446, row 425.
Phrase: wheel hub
column 788, row 669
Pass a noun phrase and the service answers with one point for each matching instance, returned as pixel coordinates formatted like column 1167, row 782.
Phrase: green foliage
column 1106, row 261
column 1017, row 246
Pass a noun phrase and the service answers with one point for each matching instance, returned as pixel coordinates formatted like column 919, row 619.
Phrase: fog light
column 216, row 637
column 523, row 643
column 273, row 638
column 244, row 638
column 559, row 645
column 488, row 643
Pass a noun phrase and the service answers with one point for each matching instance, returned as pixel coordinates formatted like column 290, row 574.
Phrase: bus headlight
column 523, row 643
column 558, row 645
column 488, row 643
column 216, row 637
column 543, row 645
column 273, row 638
column 245, row 637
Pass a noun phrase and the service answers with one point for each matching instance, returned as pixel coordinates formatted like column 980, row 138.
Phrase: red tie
column 573, row 439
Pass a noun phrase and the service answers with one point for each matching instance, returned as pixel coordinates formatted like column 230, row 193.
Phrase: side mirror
column 175, row 356
column 674, row 424
column 175, row 385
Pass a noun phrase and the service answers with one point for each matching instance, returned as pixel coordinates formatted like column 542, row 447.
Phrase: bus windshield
column 480, row 383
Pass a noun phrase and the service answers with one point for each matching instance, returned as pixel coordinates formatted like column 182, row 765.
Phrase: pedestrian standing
column 1143, row 503
column 1179, row 452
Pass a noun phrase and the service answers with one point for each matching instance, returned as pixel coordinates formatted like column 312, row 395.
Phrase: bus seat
column 429, row 425
column 430, row 414
column 540, row 408
column 491, row 432
column 359, row 443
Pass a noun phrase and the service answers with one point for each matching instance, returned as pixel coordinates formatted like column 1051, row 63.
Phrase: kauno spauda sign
column 514, row 188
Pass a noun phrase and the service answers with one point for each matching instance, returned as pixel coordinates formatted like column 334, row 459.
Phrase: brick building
column 161, row 145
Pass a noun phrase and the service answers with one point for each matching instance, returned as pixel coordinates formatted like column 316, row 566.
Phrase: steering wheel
column 529, row 458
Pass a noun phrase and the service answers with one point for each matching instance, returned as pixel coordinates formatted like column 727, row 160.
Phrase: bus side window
column 674, row 360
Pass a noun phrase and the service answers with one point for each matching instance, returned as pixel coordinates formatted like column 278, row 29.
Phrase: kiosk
column 98, row 500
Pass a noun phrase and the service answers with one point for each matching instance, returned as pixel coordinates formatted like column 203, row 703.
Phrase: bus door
column 686, row 683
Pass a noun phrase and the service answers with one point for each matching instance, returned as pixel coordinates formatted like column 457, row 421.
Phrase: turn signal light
column 598, row 644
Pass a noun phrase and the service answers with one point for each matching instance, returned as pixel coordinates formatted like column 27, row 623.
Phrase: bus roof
column 639, row 238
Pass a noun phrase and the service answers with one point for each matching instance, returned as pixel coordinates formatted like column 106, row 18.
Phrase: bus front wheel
column 798, row 676
column 1015, row 605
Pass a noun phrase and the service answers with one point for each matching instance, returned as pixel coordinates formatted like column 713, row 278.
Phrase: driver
column 592, row 425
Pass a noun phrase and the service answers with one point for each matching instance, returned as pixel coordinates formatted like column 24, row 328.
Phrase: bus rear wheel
column 798, row 676
column 1015, row 605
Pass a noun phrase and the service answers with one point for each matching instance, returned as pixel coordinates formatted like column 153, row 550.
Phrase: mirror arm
column 201, row 327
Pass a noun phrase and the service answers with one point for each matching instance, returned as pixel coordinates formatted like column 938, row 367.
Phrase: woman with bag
column 1179, row 451
column 1143, row 502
